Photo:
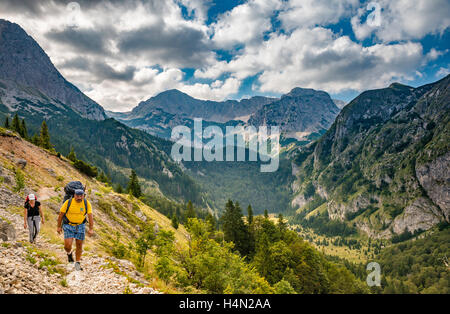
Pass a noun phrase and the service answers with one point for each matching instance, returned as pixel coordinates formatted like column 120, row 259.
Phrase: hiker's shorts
column 77, row 232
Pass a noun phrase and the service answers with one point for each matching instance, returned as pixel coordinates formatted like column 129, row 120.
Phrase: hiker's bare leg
column 79, row 251
column 68, row 245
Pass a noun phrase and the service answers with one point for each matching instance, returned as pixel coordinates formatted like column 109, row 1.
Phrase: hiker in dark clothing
column 33, row 216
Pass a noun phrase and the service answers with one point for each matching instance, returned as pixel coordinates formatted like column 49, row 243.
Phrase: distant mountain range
column 176, row 102
column 298, row 113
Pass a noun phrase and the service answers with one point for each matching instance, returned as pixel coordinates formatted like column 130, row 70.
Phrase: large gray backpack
column 69, row 189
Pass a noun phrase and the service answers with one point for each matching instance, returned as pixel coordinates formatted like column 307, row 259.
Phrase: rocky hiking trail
column 42, row 268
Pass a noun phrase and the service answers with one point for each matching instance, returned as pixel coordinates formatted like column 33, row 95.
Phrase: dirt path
column 26, row 268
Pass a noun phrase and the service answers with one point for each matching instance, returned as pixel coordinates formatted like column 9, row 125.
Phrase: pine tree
column 35, row 140
column 108, row 180
column 250, row 215
column 16, row 124
column 212, row 222
column 251, row 230
column 44, row 138
column 234, row 228
column 266, row 214
column 119, row 188
column 229, row 221
column 175, row 222
column 133, row 185
column 190, row 211
column 281, row 223
column 24, row 130
column 102, row 177
column 72, row 156
column 7, row 126
column 144, row 242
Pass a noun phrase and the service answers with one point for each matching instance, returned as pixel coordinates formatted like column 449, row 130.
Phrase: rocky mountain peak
column 24, row 62
column 301, row 111
column 176, row 102
column 172, row 93
column 305, row 92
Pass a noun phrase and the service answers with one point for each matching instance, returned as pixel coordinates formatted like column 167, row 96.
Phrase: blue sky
column 430, row 72
column 122, row 52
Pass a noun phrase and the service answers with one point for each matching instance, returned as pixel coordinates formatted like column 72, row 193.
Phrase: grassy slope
column 112, row 212
column 111, row 146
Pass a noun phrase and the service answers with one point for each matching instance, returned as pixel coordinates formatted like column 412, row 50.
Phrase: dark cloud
column 76, row 63
column 183, row 46
column 339, row 66
column 83, row 40
column 28, row 6
column 41, row 7
column 106, row 72
column 100, row 70
column 154, row 5
column 348, row 70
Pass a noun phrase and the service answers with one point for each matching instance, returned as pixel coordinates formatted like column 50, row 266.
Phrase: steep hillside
column 115, row 214
column 24, row 65
column 383, row 166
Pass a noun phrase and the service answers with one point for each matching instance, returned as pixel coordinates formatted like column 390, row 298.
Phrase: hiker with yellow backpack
column 74, row 213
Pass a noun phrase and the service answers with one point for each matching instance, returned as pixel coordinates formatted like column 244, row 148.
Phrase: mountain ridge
column 382, row 164
column 174, row 101
column 311, row 112
column 23, row 61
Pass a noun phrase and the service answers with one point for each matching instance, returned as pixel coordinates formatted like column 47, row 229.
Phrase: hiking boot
column 70, row 257
column 78, row 266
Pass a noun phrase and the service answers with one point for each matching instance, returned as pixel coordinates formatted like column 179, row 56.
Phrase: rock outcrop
column 422, row 214
column 302, row 110
column 7, row 231
column 435, row 179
